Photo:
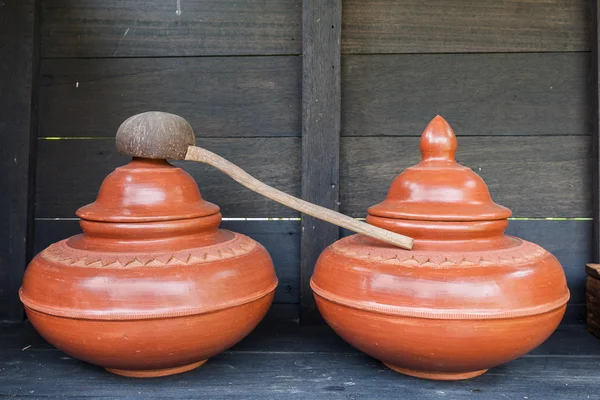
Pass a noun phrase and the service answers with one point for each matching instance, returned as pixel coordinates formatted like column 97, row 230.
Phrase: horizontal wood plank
column 141, row 28
column 533, row 176
column 564, row 367
column 456, row 26
column 69, row 174
column 479, row 94
column 280, row 238
column 236, row 97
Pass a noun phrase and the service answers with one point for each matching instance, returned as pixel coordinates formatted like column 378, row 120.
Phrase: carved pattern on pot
column 61, row 253
column 357, row 247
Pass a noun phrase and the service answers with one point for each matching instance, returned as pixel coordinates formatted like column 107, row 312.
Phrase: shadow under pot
column 465, row 299
column 152, row 287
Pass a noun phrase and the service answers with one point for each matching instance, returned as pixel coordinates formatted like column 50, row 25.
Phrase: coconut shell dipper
column 159, row 135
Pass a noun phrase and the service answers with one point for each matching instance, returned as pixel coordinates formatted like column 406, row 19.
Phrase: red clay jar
column 152, row 287
column 465, row 299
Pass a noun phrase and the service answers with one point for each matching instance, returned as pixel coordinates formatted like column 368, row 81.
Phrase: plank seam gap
column 176, row 56
column 469, row 53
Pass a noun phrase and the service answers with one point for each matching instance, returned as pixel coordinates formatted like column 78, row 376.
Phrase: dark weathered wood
column 595, row 104
column 69, row 174
column 593, row 302
column 280, row 238
column 458, row 26
column 321, row 107
column 247, row 96
column 479, row 94
column 141, row 28
column 533, row 176
column 19, row 60
column 298, row 363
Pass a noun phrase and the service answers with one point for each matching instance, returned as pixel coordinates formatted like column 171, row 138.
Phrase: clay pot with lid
column 465, row 299
column 152, row 287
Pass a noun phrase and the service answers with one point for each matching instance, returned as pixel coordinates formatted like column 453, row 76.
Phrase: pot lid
column 438, row 188
column 147, row 190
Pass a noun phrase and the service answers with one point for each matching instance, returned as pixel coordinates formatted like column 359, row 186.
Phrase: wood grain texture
column 69, row 174
column 321, row 108
column 280, row 238
column 247, row 96
column 593, row 304
column 533, row 176
column 304, row 363
column 479, row 94
column 19, row 58
column 455, row 26
column 141, row 28
column 595, row 104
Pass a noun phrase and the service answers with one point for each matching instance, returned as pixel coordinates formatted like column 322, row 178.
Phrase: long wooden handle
column 202, row 155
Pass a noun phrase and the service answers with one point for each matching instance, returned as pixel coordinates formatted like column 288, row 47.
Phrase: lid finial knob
column 438, row 141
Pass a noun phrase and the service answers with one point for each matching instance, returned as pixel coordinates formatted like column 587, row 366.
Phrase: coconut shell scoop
column 159, row 135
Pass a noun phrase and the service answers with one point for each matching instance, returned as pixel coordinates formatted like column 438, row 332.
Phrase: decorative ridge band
column 61, row 253
column 150, row 314
column 431, row 313
column 355, row 247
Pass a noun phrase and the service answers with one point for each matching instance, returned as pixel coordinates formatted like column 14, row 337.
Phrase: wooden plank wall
column 595, row 48
column 18, row 61
column 513, row 78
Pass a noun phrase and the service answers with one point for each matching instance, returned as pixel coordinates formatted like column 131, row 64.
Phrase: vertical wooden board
column 595, row 104
column 481, row 94
column 461, row 26
column 142, row 28
column 321, row 99
column 17, row 46
column 220, row 97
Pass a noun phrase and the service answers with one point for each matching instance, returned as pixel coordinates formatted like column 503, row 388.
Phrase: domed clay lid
column 438, row 188
column 147, row 190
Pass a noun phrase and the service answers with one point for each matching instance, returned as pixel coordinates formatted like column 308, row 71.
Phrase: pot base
column 438, row 376
column 154, row 373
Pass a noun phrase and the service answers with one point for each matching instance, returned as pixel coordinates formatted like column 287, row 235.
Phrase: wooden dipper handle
column 195, row 153
column 160, row 135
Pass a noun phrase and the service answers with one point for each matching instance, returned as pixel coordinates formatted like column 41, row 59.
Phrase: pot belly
column 151, row 347
column 439, row 348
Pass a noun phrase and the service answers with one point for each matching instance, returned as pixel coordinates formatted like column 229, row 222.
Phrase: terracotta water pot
column 152, row 287
column 465, row 299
